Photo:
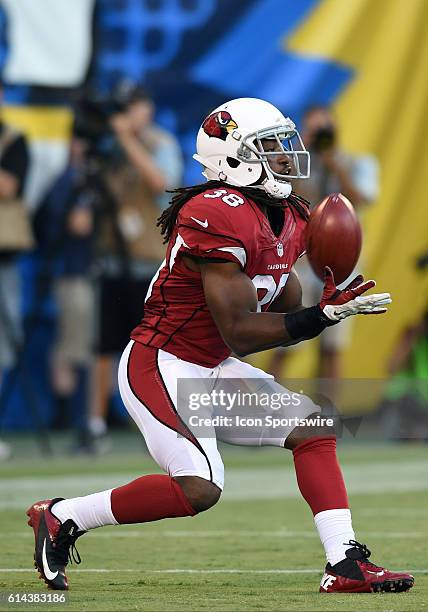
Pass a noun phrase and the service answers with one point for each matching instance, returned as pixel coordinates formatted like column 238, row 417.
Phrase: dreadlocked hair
column 167, row 220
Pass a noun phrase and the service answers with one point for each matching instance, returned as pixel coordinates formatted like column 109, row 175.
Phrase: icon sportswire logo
column 202, row 223
column 46, row 569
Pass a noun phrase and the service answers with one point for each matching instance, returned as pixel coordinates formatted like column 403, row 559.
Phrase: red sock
column 319, row 475
column 149, row 498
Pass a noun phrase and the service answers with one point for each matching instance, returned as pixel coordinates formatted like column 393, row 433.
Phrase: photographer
column 65, row 228
column 403, row 410
column 148, row 162
column 15, row 237
column 332, row 170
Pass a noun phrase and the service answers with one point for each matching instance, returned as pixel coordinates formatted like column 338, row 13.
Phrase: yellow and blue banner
column 366, row 58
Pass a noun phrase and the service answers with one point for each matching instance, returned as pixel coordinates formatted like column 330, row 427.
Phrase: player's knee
column 202, row 494
column 303, row 433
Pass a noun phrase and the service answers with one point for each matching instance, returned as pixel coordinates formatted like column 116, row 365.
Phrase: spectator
column 332, row 170
column 68, row 220
column 130, row 247
column 403, row 412
column 15, row 237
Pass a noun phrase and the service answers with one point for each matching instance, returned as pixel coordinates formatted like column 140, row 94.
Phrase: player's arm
column 232, row 300
column 290, row 299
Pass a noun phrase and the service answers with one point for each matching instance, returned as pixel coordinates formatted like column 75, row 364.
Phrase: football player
column 226, row 285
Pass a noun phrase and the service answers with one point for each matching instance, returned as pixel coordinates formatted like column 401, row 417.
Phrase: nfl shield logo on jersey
column 280, row 249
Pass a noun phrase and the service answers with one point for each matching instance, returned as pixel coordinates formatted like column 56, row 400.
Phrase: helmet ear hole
column 233, row 163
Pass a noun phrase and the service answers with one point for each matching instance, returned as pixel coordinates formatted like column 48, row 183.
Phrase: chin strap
column 277, row 189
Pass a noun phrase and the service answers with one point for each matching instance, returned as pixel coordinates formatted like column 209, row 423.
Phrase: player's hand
column 337, row 304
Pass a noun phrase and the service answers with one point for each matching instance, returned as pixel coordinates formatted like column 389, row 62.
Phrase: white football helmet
column 229, row 146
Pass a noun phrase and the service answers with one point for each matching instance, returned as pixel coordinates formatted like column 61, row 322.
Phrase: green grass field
column 256, row 550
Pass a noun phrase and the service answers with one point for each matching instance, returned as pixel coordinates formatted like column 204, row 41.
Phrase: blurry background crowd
column 101, row 102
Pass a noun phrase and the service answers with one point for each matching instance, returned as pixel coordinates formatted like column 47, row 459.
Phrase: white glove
column 363, row 304
column 338, row 304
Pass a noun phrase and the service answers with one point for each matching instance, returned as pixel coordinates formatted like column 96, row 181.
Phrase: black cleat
column 356, row 574
column 54, row 543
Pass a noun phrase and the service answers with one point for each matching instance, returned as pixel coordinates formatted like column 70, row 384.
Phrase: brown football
column 333, row 237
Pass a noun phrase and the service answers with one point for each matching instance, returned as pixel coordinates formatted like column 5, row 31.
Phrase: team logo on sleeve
column 219, row 125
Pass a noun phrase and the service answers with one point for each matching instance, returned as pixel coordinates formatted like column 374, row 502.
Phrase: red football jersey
column 217, row 223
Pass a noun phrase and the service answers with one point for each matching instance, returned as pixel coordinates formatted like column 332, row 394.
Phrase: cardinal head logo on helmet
column 219, row 125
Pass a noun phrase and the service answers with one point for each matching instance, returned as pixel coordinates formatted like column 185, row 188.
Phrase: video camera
column 92, row 121
column 93, row 111
column 324, row 138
